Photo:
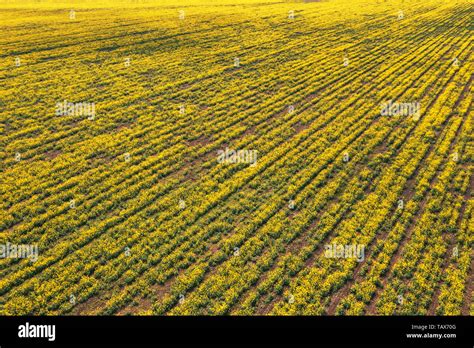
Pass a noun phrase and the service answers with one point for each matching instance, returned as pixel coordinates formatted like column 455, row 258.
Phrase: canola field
column 236, row 157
